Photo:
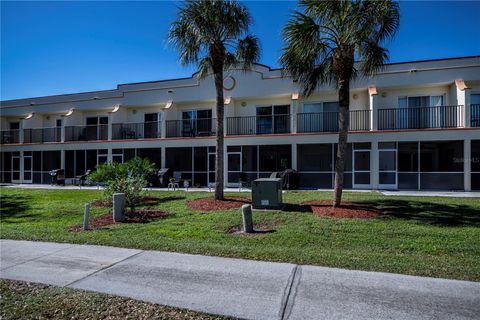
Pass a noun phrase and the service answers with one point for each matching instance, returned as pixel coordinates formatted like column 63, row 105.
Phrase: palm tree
column 213, row 34
column 322, row 43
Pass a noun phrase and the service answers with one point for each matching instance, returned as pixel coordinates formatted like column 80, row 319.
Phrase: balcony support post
column 62, row 130
column 110, row 127
column 467, row 164
column 293, row 113
column 21, row 133
column 62, row 159
column 374, row 165
column 294, row 157
column 373, row 107
column 163, row 127
column 463, row 98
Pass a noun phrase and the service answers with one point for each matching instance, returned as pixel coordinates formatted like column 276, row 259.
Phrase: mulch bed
column 147, row 200
column 140, row 216
column 349, row 210
column 210, row 204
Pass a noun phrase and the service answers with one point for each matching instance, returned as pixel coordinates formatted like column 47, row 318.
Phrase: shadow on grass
column 14, row 206
column 446, row 215
column 294, row 207
column 153, row 200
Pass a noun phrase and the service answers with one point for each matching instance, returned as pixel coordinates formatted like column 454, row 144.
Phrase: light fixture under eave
column 169, row 104
column 69, row 113
column 295, row 95
column 29, row 116
column 115, row 109
column 227, row 100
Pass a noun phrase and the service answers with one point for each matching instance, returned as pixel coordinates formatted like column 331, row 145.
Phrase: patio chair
column 82, row 178
column 175, row 181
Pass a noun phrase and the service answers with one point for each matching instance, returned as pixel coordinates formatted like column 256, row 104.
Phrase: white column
column 62, row 159
column 21, row 137
column 163, row 126
column 293, row 115
column 62, row 130
column 467, row 164
column 468, row 119
column 109, row 154
column 463, row 98
column 373, row 106
column 110, row 128
column 163, row 157
column 374, row 164
column 294, row 156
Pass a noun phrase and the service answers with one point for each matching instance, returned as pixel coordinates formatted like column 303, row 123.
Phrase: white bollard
column 85, row 216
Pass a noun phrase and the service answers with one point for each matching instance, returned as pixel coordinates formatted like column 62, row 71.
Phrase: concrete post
column 118, row 207
column 373, row 106
column 468, row 118
column 294, row 111
column 85, row 216
column 62, row 130
column 110, row 127
column 467, row 164
column 247, row 218
column 294, row 157
column 163, row 126
column 374, row 165
column 21, row 137
column 62, row 159
column 163, row 157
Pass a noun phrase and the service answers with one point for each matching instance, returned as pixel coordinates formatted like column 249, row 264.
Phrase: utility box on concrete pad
column 267, row 193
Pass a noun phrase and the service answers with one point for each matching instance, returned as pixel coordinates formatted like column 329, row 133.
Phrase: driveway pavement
column 239, row 288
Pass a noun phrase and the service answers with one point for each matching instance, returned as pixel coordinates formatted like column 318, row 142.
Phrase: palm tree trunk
column 219, row 160
column 343, row 120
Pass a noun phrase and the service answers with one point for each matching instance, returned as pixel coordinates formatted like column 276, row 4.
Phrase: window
column 420, row 101
column 315, row 157
column 441, row 156
column 319, row 117
column 197, row 122
column 273, row 119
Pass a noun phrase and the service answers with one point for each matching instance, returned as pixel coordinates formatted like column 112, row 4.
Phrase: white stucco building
column 416, row 125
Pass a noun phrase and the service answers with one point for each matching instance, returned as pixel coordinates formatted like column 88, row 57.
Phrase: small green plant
column 129, row 178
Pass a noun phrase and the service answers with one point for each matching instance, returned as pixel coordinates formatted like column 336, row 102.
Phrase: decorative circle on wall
column 229, row 83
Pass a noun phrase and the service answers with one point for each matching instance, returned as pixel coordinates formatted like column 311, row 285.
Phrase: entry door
column 16, row 167
column 27, row 167
column 387, row 167
column 361, row 169
column 234, row 163
column 211, row 168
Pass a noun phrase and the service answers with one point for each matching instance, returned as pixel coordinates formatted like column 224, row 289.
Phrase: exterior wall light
column 69, row 113
column 227, row 100
column 295, row 95
column 115, row 109
column 169, row 104
column 29, row 116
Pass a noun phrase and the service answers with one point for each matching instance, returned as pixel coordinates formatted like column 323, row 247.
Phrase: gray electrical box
column 267, row 193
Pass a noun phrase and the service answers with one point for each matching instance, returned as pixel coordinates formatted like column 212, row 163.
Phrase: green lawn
column 23, row 300
column 437, row 237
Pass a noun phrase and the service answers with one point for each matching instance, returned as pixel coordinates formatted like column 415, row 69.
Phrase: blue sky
column 65, row 47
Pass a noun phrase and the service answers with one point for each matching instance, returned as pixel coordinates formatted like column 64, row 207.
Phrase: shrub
column 129, row 178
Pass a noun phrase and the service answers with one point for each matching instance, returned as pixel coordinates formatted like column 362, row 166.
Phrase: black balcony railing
column 10, row 136
column 142, row 130
column 421, row 118
column 86, row 133
column 475, row 115
column 41, row 135
column 190, row 128
column 359, row 120
column 254, row 125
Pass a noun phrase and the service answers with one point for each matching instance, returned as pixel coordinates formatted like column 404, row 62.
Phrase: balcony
column 190, row 128
column 132, row 131
column 255, row 125
column 42, row 135
column 10, row 136
column 328, row 121
column 86, row 133
column 421, row 118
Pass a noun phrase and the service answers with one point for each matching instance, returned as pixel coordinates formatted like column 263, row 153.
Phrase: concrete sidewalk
column 239, row 288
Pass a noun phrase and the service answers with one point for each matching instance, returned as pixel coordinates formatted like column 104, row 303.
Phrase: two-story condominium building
column 414, row 126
